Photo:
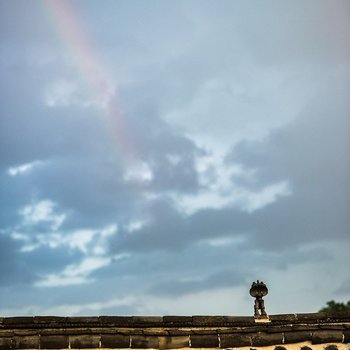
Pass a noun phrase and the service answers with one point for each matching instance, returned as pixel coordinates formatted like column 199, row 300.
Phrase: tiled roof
column 172, row 332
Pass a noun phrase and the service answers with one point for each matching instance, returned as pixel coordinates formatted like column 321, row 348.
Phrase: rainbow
column 92, row 72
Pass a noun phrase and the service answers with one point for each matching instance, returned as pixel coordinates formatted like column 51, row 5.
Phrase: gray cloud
column 312, row 153
column 267, row 82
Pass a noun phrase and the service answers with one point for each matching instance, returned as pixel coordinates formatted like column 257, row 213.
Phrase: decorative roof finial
column 258, row 290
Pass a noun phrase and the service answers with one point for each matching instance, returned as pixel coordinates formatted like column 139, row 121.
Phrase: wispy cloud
column 23, row 168
column 42, row 211
column 74, row 274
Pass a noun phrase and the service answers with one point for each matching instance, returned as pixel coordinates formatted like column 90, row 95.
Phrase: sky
column 157, row 157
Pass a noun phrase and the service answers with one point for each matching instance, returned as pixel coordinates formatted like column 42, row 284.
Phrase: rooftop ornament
column 258, row 290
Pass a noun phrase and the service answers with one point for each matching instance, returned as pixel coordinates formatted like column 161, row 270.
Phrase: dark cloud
column 308, row 155
column 312, row 154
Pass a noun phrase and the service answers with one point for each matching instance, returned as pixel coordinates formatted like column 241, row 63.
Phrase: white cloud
column 79, row 239
column 219, row 188
column 79, row 273
column 242, row 198
column 215, row 174
column 23, row 168
column 75, row 274
column 42, row 211
column 86, row 241
column 56, row 280
column 226, row 110
column 92, row 243
column 139, row 172
column 86, row 266
column 268, row 195
column 225, row 241
column 205, row 200
column 109, row 231
column 135, row 225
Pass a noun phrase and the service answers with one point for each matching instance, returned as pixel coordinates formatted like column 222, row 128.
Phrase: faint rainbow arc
column 71, row 31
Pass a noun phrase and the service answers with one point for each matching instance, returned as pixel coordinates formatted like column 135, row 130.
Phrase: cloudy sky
column 157, row 157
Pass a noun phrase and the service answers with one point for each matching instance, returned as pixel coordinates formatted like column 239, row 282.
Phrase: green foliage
column 333, row 306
